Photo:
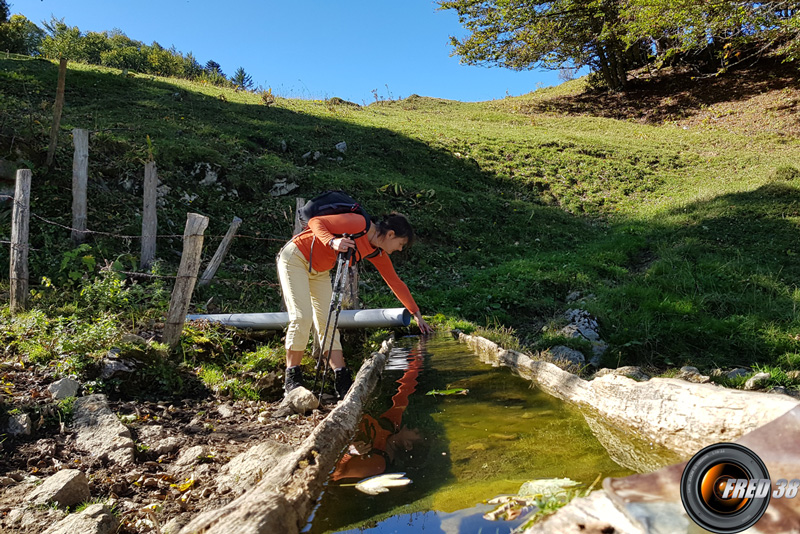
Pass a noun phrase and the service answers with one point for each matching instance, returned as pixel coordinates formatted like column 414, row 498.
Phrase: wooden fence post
column 187, row 276
column 20, row 220
column 298, row 226
column 149, row 215
column 211, row 270
column 80, row 177
column 57, row 108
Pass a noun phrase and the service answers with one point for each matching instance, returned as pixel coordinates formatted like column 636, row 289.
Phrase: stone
column 94, row 519
column 281, row 187
column 692, row 374
column 112, row 368
column 67, row 488
column 99, row 432
column 562, row 353
column 225, row 411
column 19, row 424
column 166, row 445
column 299, row 401
column 757, row 381
column 341, row 147
column 247, row 468
column 794, row 375
column 64, row 388
column 631, row 371
column 190, row 456
column 736, row 373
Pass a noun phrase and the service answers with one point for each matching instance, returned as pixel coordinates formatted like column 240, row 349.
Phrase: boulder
column 19, row 424
column 64, row 388
column 566, row 354
column 757, row 381
column 99, row 432
column 299, row 400
column 94, row 519
column 67, row 488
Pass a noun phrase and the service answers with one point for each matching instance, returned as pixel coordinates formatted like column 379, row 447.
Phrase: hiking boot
column 342, row 380
column 294, row 379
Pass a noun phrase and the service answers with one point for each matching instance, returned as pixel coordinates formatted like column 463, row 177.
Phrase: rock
column 67, row 488
column 114, row 367
column 631, row 371
column 736, row 373
column 575, row 295
column 19, row 424
column 99, row 432
column 207, row 173
column 757, row 381
column 284, row 146
column 94, row 519
column 566, row 354
column 64, row 388
column 166, row 445
column 225, row 411
column 341, row 147
column 190, row 456
column 692, row 374
column 794, row 375
column 247, row 468
column 299, row 400
column 281, row 187
column 582, row 324
column 7, row 481
column 175, row 524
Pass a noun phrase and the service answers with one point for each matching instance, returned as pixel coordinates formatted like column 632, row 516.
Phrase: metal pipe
column 376, row 318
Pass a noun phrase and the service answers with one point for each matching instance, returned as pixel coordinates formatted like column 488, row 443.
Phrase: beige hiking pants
column 307, row 296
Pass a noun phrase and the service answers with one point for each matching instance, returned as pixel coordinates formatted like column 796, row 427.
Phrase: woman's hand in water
column 424, row 327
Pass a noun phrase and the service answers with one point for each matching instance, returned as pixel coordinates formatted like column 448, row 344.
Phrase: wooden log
column 80, row 178
column 57, row 109
column 215, row 262
column 285, row 497
column 149, row 215
column 20, row 225
column 187, row 276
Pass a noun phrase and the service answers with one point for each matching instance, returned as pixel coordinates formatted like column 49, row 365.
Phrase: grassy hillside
column 684, row 231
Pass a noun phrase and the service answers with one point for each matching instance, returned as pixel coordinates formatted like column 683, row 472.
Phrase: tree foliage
column 613, row 36
column 20, row 36
column 242, row 80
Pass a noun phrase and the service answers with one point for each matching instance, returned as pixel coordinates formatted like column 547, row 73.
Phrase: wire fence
column 138, row 274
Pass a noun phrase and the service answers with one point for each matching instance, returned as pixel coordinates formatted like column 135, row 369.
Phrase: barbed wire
column 130, row 237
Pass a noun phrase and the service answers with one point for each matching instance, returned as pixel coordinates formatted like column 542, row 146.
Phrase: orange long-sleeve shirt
column 322, row 230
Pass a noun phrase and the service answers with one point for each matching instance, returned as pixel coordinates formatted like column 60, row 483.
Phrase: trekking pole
column 342, row 267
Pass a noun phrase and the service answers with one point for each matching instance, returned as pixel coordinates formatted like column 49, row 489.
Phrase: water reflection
column 379, row 442
column 458, row 450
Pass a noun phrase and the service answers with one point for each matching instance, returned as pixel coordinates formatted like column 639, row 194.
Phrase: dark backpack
column 330, row 203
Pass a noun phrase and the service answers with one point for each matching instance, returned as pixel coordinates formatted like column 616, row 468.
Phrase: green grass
column 686, row 237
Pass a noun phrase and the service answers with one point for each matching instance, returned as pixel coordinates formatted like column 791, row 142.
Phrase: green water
column 458, row 450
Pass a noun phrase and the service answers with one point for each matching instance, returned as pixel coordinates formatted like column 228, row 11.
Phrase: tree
column 715, row 35
column 242, row 80
column 4, row 11
column 63, row 41
column 213, row 67
column 20, row 36
column 525, row 35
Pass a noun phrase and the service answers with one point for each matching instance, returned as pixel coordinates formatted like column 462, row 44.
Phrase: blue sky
column 304, row 48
